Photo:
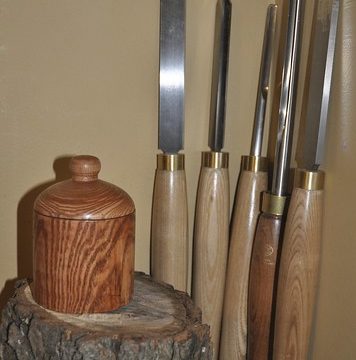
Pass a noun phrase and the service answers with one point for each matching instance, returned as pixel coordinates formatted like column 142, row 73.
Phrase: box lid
column 84, row 197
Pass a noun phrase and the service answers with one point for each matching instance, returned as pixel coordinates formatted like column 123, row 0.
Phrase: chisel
column 252, row 182
column 169, row 227
column 298, row 272
column 265, row 247
column 211, row 232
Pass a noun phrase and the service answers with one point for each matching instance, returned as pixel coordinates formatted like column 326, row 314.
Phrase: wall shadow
column 24, row 227
column 7, row 292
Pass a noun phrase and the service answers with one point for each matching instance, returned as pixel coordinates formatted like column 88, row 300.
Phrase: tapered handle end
column 262, row 284
column 211, row 237
column 243, row 226
column 299, row 265
column 169, row 227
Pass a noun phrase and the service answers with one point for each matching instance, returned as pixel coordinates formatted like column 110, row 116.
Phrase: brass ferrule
column 254, row 163
column 273, row 204
column 170, row 162
column 215, row 160
column 309, row 180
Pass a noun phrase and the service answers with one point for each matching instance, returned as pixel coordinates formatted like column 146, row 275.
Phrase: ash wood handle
column 169, row 229
column 298, row 275
column 262, row 286
column 243, row 226
column 211, row 236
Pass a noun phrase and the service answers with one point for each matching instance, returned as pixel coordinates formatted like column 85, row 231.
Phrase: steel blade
column 263, row 82
column 288, row 98
column 171, row 75
column 219, row 78
column 311, row 145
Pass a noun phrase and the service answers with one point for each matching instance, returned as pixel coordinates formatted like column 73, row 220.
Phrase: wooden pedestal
column 159, row 323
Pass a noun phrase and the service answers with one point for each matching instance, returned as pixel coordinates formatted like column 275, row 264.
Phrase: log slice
column 159, row 323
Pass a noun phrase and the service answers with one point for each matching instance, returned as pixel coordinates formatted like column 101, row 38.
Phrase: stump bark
column 159, row 323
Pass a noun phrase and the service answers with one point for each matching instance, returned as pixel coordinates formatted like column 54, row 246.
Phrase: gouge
column 264, row 252
column 298, row 272
column 211, row 232
column 169, row 227
column 252, row 182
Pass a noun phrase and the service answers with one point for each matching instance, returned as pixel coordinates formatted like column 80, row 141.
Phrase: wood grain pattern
column 169, row 229
column 298, row 275
column 91, row 200
column 84, row 196
column 83, row 266
column 262, row 287
column 243, row 226
column 84, row 233
column 211, row 237
column 159, row 323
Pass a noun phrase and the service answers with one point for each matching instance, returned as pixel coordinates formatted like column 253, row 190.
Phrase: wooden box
column 84, row 233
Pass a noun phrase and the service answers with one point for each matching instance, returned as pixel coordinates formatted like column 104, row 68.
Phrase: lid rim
column 84, row 219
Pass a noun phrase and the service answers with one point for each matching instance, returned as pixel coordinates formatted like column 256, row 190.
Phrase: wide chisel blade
column 171, row 76
column 311, row 145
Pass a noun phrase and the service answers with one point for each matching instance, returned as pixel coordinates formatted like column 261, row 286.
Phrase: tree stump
column 159, row 323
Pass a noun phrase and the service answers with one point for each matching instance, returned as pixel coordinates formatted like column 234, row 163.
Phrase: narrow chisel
column 169, row 227
column 252, row 182
column 211, row 232
column 264, row 253
column 298, row 272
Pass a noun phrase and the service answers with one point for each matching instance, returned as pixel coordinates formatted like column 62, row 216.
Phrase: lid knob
column 84, row 168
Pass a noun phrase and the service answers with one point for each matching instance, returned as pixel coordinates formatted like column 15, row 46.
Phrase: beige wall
column 81, row 77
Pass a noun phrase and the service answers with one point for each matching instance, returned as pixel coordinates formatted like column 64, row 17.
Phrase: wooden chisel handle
column 298, row 271
column 262, row 282
column 169, row 228
column 211, row 237
column 252, row 182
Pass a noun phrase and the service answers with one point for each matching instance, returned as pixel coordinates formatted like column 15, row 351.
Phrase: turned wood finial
column 84, row 168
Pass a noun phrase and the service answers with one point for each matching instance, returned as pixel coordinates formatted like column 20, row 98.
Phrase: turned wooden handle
column 298, row 275
column 262, row 286
column 169, row 229
column 211, row 236
column 243, row 226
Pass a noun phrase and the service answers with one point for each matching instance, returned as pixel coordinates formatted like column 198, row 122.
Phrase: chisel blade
column 263, row 82
column 219, row 79
column 171, row 75
column 287, row 104
column 311, row 145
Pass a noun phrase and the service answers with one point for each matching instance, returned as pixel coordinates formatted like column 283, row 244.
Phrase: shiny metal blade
column 311, row 145
column 220, row 71
column 288, row 98
column 171, row 75
column 263, row 82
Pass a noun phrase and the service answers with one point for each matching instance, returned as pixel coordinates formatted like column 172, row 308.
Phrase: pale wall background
column 80, row 77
